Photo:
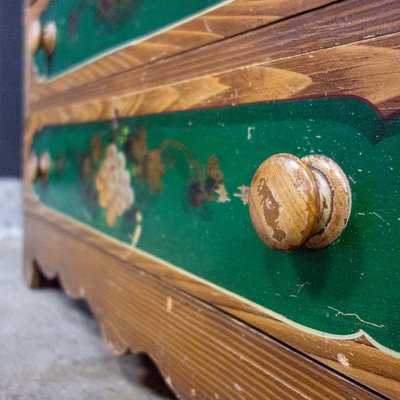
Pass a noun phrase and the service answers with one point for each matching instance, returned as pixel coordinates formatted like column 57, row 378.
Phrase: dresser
column 220, row 181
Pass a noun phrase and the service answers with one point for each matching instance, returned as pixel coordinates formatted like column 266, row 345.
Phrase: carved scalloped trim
column 171, row 374
column 36, row 273
column 114, row 341
column 325, row 347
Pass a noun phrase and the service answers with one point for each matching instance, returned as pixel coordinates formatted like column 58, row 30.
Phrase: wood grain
column 297, row 202
column 201, row 352
column 360, row 59
column 365, row 363
column 226, row 21
column 284, row 202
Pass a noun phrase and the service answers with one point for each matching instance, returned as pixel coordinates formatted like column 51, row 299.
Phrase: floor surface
column 50, row 346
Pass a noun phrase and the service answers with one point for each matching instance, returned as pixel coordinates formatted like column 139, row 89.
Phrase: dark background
column 11, row 46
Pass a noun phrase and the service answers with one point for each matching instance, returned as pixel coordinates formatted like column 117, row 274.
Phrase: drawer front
column 86, row 29
column 176, row 186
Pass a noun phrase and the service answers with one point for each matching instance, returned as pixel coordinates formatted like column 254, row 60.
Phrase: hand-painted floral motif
column 112, row 163
column 113, row 13
column 113, row 183
column 153, row 169
column 223, row 196
column 151, row 165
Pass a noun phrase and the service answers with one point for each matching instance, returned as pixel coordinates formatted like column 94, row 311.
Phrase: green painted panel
column 87, row 28
column 187, row 172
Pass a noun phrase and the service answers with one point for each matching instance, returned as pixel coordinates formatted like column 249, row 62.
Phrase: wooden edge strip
column 200, row 351
column 357, row 358
column 223, row 22
column 369, row 70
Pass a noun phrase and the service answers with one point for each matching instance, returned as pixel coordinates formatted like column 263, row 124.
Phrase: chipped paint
column 169, row 304
column 168, row 380
column 343, row 360
column 243, row 194
column 138, row 229
column 249, row 134
column 238, row 387
column 223, row 196
column 300, row 286
column 356, row 316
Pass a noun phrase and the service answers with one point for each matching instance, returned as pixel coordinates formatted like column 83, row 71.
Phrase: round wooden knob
column 42, row 38
column 297, row 202
column 34, row 34
column 49, row 38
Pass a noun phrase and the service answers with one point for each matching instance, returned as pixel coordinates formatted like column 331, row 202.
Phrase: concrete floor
column 50, row 347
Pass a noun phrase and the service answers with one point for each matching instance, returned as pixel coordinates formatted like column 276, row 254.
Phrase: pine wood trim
column 364, row 362
column 367, row 70
column 201, row 351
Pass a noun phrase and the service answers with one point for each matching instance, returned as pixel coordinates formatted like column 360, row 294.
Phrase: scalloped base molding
column 201, row 351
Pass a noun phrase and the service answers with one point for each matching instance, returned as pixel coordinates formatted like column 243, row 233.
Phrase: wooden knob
column 297, row 202
column 49, row 38
column 44, row 166
column 42, row 38
column 34, row 34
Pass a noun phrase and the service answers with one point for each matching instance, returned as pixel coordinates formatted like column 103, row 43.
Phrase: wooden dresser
column 220, row 180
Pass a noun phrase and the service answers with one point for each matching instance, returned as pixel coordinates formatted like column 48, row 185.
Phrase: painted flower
column 96, row 149
column 114, row 12
column 153, row 169
column 113, row 183
column 223, row 195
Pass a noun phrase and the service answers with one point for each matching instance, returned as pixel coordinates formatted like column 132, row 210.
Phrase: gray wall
column 10, row 87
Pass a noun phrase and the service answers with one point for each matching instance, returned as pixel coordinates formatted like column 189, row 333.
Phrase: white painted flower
column 113, row 183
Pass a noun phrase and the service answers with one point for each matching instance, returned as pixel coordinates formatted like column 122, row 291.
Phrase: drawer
column 75, row 42
column 183, row 198
column 85, row 29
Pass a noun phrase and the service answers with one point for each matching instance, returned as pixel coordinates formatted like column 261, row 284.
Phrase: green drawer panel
column 87, row 28
column 195, row 214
